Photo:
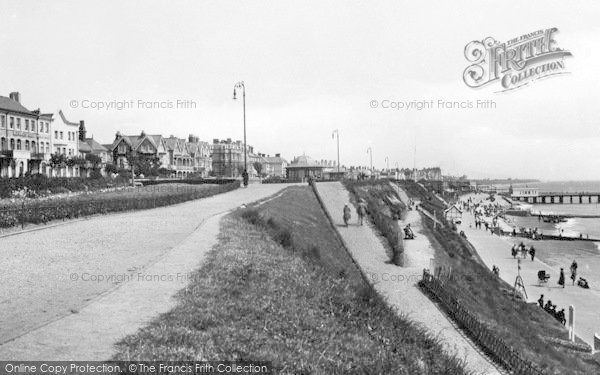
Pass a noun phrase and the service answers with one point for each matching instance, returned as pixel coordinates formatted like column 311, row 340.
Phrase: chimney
column 215, row 141
column 277, row 155
column 15, row 96
column 82, row 131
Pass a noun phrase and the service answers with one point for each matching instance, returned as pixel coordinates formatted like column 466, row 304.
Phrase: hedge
column 37, row 212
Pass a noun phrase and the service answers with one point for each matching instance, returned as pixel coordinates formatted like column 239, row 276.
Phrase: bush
column 375, row 193
column 42, row 211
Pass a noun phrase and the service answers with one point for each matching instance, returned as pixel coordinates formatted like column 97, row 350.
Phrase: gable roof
column 94, row 145
column 62, row 116
column 8, row 104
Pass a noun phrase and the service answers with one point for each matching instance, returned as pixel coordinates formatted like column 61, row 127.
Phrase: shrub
column 84, row 205
column 375, row 193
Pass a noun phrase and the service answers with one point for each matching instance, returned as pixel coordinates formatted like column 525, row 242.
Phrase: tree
column 57, row 161
column 148, row 165
column 258, row 167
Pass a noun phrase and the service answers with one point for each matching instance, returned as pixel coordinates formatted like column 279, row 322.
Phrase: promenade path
column 495, row 250
column 398, row 284
column 53, row 306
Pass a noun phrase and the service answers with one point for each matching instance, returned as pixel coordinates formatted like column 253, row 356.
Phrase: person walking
column 346, row 214
column 361, row 210
column 532, row 252
column 540, row 301
column 574, row 271
column 561, row 278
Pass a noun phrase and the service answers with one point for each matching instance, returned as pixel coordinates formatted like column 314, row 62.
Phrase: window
column 61, row 135
column 3, row 145
column 33, row 146
column 32, row 125
column 18, row 123
column 26, row 145
column 64, row 151
column 55, row 134
column 69, row 136
column 2, row 121
column 12, row 122
column 47, row 128
column 27, row 124
column 47, row 147
column 18, row 144
column 12, row 143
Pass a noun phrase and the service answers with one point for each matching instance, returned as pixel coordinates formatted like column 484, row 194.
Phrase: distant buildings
column 304, row 167
column 228, row 158
column 25, row 138
column 179, row 157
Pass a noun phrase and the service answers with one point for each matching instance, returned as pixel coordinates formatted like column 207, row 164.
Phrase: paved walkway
column 153, row 253
column 495, row 250
column 398, row 284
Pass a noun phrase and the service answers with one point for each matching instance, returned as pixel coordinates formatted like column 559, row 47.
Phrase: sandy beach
column 550, row 256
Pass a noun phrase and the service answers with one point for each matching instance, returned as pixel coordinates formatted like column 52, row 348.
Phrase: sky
column 312, row 67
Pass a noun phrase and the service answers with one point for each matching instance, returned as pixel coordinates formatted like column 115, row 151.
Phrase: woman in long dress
column 561, row 278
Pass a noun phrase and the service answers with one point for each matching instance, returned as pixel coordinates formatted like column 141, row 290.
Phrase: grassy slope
column 521, row 325
column 306, row 311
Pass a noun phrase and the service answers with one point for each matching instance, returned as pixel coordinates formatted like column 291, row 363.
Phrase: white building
column 24, row 138
column 65, row 141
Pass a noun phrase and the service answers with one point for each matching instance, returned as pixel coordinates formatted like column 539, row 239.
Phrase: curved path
column 398, row 284
column 71, row 291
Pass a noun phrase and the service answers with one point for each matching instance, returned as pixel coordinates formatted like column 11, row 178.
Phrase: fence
column 43, row 212
column 478, row 331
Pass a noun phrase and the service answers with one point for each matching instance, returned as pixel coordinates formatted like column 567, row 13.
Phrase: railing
column 478, row 331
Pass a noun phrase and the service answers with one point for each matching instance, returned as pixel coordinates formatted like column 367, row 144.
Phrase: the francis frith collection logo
column 515, row 63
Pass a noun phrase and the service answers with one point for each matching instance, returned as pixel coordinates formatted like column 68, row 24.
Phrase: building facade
column 179, row 156
column 65, row 141
column 25, row 138
column 228, row 158
column 303, row 167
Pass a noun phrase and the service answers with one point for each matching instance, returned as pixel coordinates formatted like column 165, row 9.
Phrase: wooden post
column 572, row 323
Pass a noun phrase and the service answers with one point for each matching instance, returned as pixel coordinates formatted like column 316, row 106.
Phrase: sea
column 574, row 226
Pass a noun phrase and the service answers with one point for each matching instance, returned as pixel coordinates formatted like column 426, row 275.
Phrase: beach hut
column 453, row 214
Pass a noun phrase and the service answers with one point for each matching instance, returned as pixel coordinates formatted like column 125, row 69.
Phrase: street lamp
column 370, row 151
column 238, row 86
column 336, row 132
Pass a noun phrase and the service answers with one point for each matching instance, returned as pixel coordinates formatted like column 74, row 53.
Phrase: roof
column 94, row 145
column 8, row 104
column 304, row 162
column 62, row 116
column 453, row 207
column 274, row 159
column 84, row 147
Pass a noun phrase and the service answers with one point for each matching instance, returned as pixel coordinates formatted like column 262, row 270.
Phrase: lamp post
column 370, row 152
column 243, row 87
column 336, row 132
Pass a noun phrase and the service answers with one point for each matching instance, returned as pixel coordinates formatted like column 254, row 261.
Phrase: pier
column 558, row 198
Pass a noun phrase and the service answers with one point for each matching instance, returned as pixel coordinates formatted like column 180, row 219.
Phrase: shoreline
column 550, row 256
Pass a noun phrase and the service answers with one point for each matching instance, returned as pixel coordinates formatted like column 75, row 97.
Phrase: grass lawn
column 283, row 289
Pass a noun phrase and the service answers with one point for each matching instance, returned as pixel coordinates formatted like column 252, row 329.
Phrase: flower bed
column 43, row 211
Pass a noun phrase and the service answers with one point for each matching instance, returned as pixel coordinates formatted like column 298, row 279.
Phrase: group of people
column 551, row 309
column 581, row 282
column 522, row 250
column 361, row 211
column 534, row 234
